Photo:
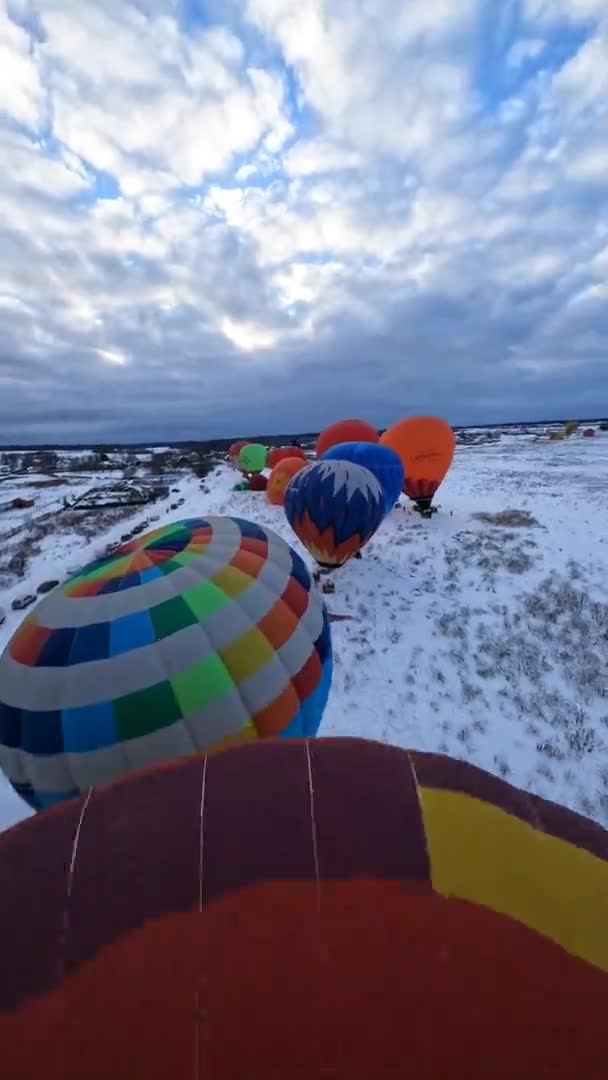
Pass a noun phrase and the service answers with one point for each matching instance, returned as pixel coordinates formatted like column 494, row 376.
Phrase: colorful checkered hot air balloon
column 197, row 634
column 301, row 909
column 334, row 508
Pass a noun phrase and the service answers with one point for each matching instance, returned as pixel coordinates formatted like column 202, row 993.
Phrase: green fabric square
column 204, row 598
column 200, row 684
column 170, row 616
column 146, row 711
column 103, row 570
column 169, row 566
column 184, row 558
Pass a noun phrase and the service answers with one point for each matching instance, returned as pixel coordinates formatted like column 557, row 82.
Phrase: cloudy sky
column 230, row 216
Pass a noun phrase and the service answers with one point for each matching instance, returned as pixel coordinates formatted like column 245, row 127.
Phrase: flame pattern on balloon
column 334, row 508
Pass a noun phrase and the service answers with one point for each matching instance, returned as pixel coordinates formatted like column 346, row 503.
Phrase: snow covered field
column 484, row 640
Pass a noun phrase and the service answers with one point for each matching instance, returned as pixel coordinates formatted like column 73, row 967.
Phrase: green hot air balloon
column 252, row 458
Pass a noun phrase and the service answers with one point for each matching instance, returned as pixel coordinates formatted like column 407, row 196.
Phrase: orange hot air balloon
column 280, row 477
column 345, row 431
column 425, row 445
column 235, row 449
column 281, row 453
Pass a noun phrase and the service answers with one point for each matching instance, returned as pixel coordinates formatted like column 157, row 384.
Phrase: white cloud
column 589, row 164
column 574, row 10
column 28, row 166
column 401, row 212
column 248, row 336
column 123, row 87
column 115, row 357
column 583, row 81
column 365, row 72
column 21, row 93
column 319, row 155
column 524, row 49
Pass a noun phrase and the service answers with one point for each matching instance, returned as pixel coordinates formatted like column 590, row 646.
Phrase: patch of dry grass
column 509, row 519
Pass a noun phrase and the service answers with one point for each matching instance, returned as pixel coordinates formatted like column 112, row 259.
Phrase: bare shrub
column 503, row 766
column 510, row 519
column 544, row 771
column 511, row 656
column 550, row 750
column 577, row 626
column 519, row 562
column 470, row 692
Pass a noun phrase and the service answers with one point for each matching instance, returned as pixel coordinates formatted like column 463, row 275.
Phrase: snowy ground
column 485, row 641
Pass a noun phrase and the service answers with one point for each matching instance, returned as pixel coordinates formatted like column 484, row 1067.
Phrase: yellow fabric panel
column 246, row 734
column 480, row 853
column 231, row 580
column 250, row 652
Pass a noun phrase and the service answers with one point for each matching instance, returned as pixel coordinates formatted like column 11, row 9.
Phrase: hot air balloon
column 571, row 427
column 383, row 462
column 425, row 445
column 281, row 453
column 258, row 482
column 243, row 485
column 252, row 458
column 199, row 633
column 345, row 431
column 589, row 433
column 556, row 436
column 382, row 906
column 280, row 477
column 234, row 452
column 334, row 508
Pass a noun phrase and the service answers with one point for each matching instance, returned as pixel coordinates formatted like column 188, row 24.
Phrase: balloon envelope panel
column 382, row 461
column 199, row 633
column 388, row 906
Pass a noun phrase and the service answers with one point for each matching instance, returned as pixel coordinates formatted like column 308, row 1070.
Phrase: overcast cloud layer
column 219, row 218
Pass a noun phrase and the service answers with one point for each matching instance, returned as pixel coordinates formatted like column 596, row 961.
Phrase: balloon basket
column 323, row 583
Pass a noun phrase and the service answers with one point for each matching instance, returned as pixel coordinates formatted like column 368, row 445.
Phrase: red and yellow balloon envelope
column 280, row 476
column 200, row 633
column 344, row 431
column 300, row 908
column 334, row 508
column 425, row 445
